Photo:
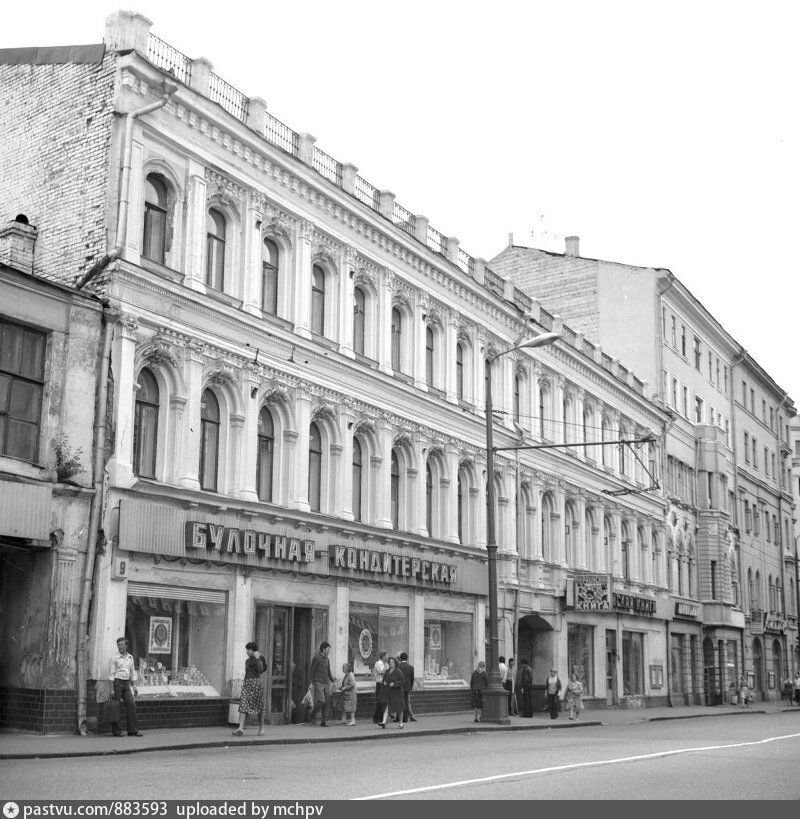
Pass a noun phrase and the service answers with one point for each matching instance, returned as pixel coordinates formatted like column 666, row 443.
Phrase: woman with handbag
column 252, row 699
column 394, row 685
column 349, row 696
column 574, row 696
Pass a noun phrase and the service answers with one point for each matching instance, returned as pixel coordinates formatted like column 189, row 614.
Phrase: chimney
column 572, row 245
column 17, row 240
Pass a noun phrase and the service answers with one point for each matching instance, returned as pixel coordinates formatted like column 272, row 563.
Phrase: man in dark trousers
column 321, row 679
column 525, row 688
column 122, row 674
column 408, row 673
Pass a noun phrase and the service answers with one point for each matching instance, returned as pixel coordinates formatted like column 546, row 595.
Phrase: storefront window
column 580, row 652
column 676, row 665
column 374, row 629
column 632, row 663
column 448, row 648
column 177, row 637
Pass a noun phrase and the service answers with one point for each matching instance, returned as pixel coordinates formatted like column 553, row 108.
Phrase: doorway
column 287, row 634
column 611, row 667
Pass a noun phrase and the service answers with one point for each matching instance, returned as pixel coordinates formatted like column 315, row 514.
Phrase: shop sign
column 634, row 604
column 227, row 540
column 686, row 610
column 776, row 624
column 592, row 593
column 367, row 560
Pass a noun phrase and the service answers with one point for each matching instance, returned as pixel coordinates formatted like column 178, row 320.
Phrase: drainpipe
column 779, row 477
column 98, row 469
column 737, row 359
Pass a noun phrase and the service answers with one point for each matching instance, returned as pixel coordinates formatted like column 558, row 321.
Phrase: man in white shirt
column 123, row 676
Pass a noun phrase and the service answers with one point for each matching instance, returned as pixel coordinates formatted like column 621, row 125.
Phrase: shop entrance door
column 286, row 636
column 611, row 667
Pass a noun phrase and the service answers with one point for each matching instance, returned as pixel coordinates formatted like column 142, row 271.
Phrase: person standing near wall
column 378, row 670
column 122, row 674
column 552, row 688
column 321, row 679
column 408, row 673
column 525, row 687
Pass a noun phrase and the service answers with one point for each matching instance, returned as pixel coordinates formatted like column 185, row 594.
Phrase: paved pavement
column 33, row 746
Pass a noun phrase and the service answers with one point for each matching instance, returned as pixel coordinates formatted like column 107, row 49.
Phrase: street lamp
column 495, row 706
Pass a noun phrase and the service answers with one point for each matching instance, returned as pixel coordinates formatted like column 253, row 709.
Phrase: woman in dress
column 478, row 683
column 349, row 696
column 252, row 699
column 393, row 685
column 574, row 696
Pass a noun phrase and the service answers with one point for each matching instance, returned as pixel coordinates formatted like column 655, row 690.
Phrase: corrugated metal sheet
column 25, row 510
column 176, row 593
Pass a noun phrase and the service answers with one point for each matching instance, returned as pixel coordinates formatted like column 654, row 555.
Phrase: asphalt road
column 700, row 759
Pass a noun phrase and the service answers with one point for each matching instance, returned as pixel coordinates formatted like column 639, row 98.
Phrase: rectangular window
column 763, row 410
column 698, row 410
column 766, row 461
column 675, row 393
column 177, row 638
column 672, row 335
column 21, row 386
column 725, row 378
column 744, row 394
column 748, row 518
column 771, row 418
column 632, row 663
column 697, row 354
column 580, row 654
column 685, row 402
column 755, row 453
column 683, row 341
column 766, row 526
column 447, row 643
column 716, row 380
column 746, row 448
column 373, row 629
column 752, row 401
column 756, row 520
column 710, row 371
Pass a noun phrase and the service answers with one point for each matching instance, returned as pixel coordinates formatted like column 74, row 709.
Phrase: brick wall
column 565, row 285
column 55, row 144
column 37, row 710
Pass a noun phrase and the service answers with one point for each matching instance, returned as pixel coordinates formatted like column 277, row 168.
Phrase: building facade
column 297, row 452
column 50, row 343
column 730, row 507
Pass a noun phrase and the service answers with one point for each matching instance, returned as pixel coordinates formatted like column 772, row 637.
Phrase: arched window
column 655, row 557
column 460, row 371
column 544, row 396
column 394, row 497
column 266, row 444
column 751, row 590
column 429, row 499
column 397, row 332
column 429, row 342
column 318, row 300
column 462, row 506
column 587, row 431
column 359, row 320
column 269, row 277
column 623, row 453
column 758, row 589
column 215, row 250
column 517, row 393
column 605, row 435
column 209, row 441
column 357, row 477
column 145, row 426
column 547, row 525
column 314, row 467
column 771, row 592
column 154, row 240
column 644, row 563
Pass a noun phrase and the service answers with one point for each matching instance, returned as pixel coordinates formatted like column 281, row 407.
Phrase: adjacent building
column 730, row 548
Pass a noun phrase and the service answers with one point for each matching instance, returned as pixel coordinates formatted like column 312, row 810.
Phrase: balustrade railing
column 230, row 98
column 435, row 240
column 403, row 218
column 367, row 193
column 493, row 281
column 169, row 59
column 465, row 261
column 327, row 166
column 281, row 135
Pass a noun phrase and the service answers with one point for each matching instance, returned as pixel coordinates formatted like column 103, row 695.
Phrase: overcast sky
column 663, row 134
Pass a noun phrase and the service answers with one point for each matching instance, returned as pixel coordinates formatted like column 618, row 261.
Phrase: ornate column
column 347, row 290
column 536, row 391
column 450, row 343
column 537, row 488
column 578, row 429
column 450, row 493
column 193, row 376
column 120, row 467
column 417, row 338
column 579, row 539
column 251, row 280
column 302, row 279
column 559, row 430
column 195, row 228
column 559, row 495
column 298, row 495
column 233, row 473
column 246, row 481
column 382, row 469
column 417, row 485
column 343, row 476
column 614, row 546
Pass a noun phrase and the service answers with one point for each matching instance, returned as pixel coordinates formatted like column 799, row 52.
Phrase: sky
column 664, row 135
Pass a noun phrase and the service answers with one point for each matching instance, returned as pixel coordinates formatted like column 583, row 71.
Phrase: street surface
column 693, row 759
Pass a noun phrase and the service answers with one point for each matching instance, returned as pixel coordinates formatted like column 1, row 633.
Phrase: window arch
column 270, row 266
column 467, row 505
column 359, row 320
column 209, row 441
column 429, row 498
column 216, row 230
column 265, row 455
column 358, row 476
column 318, row 298
column 154, row 238
column 394, row 492
column 314, row 467
column 145, row 426
column 435, row 497
column 397, row 338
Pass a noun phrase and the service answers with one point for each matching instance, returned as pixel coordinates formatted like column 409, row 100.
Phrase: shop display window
column 178, row 644
column 580, row 652
column 632, row 663
column 448, row 649
column 373, row 629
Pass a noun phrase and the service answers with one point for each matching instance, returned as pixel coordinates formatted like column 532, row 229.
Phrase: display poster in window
column 160, row 635
column 435, row 636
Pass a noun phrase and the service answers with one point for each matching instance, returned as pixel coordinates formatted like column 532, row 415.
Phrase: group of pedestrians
column 394, row 681
column 520, row 690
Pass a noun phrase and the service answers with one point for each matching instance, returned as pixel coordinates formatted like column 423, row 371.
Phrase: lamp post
column 495, row 706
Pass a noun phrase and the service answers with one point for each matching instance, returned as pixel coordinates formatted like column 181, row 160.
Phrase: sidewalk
column 33, row 746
